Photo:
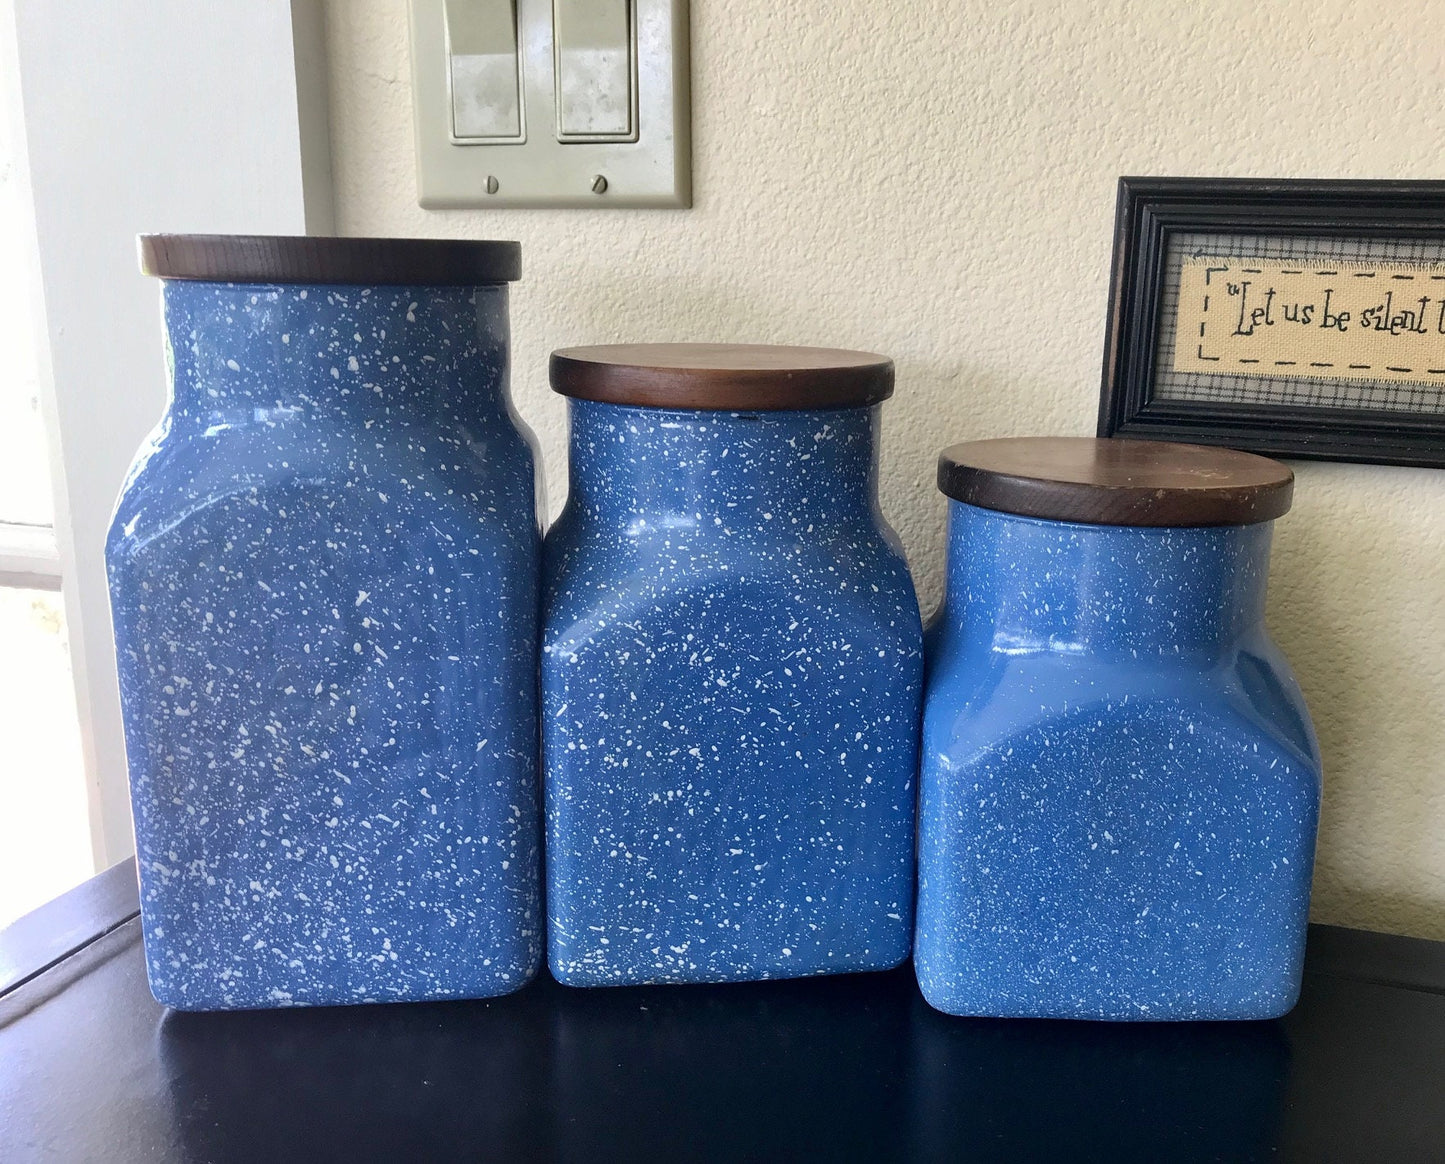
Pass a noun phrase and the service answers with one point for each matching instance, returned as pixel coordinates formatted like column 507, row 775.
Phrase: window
column 45, row 845
column 215, row 122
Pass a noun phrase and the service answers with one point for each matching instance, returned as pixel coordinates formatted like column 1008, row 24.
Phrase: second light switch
column 596, row 63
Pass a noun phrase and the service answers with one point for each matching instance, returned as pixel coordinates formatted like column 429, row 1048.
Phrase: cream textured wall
column 934, row 180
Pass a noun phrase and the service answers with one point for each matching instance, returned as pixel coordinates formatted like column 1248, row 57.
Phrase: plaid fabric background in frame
column 1302, row 391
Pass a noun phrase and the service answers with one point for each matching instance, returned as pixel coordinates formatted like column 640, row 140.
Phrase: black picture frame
column 1151, row 210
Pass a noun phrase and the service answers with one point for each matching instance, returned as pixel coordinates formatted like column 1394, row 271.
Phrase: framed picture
column 1299, row 318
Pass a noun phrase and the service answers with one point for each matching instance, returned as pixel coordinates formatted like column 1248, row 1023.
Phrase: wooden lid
column 397, row 262
column 741, row 377
column 1116, row 482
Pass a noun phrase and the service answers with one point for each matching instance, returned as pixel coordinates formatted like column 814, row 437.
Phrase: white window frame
column 134, row 116
column 28, row 557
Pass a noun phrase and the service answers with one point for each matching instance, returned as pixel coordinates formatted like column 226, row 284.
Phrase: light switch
column 581, row 103
column 485, row 83
column 596, row 70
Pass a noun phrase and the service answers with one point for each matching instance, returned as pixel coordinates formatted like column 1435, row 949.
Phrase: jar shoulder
column 413, row 472
column 857, row 570
column 980, row 699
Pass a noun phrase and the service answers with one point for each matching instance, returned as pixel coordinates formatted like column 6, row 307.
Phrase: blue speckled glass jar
column 731, row 672
column 324, row 575
column 1120, row 783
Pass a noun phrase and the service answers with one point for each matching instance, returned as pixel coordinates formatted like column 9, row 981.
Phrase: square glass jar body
column 1120, row 785
column 731, row 679
column 323, row 572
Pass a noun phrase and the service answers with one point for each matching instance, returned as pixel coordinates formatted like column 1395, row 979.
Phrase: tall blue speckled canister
column 1120, row 783
column 324, row 574
column 731, row 671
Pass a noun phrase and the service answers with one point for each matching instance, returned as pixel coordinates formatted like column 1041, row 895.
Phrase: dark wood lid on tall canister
column 740, row 377
column 377, row 262
column 1116, row 482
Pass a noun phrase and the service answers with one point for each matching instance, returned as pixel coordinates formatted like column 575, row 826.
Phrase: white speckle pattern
column 731, row 682
column 324, row 571
column 1120, row 783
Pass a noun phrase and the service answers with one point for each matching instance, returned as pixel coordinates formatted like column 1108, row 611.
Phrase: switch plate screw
column 492, row 184
column 599, row 185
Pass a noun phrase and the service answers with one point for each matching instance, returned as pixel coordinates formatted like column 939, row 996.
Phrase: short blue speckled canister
column 731, row 672
column 1120, row 784
column 324, row 575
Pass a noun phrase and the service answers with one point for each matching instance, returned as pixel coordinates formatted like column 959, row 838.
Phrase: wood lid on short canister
column 1116, row 482
column 378, row 262
column 733, row 377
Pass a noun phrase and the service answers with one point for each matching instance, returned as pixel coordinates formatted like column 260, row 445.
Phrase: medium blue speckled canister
column 1120, row 783
column 324, row 577
column 731, row 672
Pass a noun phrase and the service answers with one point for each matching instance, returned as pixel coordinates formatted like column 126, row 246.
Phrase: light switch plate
column 539, row 169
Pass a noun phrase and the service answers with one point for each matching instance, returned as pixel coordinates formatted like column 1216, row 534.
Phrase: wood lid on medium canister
column 366, row 262
column 732, row 377
column 1116, row 481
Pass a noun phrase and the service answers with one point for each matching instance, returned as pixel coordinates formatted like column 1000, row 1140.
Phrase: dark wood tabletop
column 854, row 1067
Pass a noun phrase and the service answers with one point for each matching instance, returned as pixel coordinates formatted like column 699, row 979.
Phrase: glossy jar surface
column 1120, row 783
column 324, row 575
column 731, row 677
